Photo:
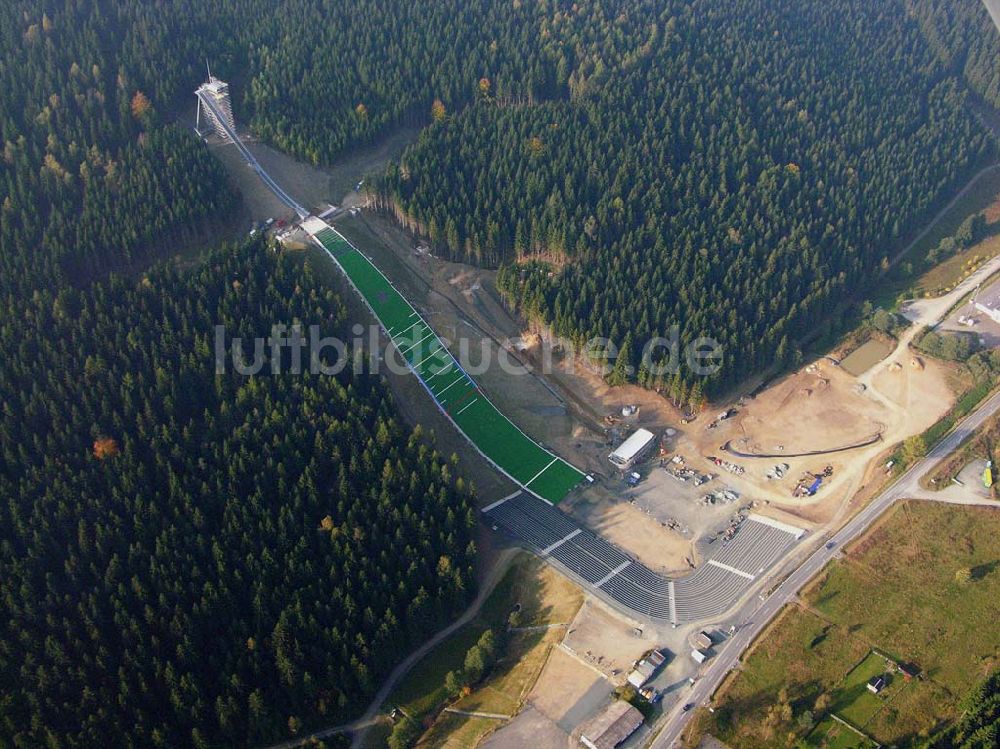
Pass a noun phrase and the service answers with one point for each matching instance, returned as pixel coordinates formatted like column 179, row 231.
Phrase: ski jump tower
column 219, row 93
column 213, row 100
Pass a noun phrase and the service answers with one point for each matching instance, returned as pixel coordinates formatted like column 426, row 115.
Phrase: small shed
column 699, row 656
column 703, row 640
column 612, row 727
column 876, row 684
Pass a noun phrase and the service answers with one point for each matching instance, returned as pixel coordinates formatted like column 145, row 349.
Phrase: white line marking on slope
column 613, row 572
column 407, row 330
column 541, row 471
column 465, row 407
column 728, row 568
column 432, row 354
column 445, row 368
column 458, row 380
column 410, row 348
column 561, row 541
column 500, row 501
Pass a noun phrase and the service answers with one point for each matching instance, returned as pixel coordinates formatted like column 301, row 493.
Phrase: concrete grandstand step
column 706, row 593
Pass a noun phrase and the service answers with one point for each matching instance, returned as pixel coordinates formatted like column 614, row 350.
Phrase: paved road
column 755, row 614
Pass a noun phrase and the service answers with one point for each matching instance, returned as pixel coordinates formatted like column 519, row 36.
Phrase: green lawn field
column 854, row 703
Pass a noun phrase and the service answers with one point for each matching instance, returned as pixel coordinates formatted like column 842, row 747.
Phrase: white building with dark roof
column 633, row 449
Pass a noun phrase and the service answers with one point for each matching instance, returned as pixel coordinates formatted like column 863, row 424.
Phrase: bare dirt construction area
column 918, row 386
column 820, row 408
column 606, row 640
column 817, row 421
column 637, row 530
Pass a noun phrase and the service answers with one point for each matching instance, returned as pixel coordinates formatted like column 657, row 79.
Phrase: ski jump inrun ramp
column 458, row 396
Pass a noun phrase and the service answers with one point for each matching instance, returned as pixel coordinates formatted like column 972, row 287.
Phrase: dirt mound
column 529, row 340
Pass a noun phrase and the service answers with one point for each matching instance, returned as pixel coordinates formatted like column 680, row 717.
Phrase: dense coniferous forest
column 964, row 37
column 187, row 559
column 192, row 559
column 738, row 174
column 91, row 178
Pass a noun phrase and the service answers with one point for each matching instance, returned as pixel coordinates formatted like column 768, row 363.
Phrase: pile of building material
column 678, row 470
column 810, row 482
column 778, row 472
column 734, row 524
column 723, row 496
column 682, row 474
column 733, row 468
